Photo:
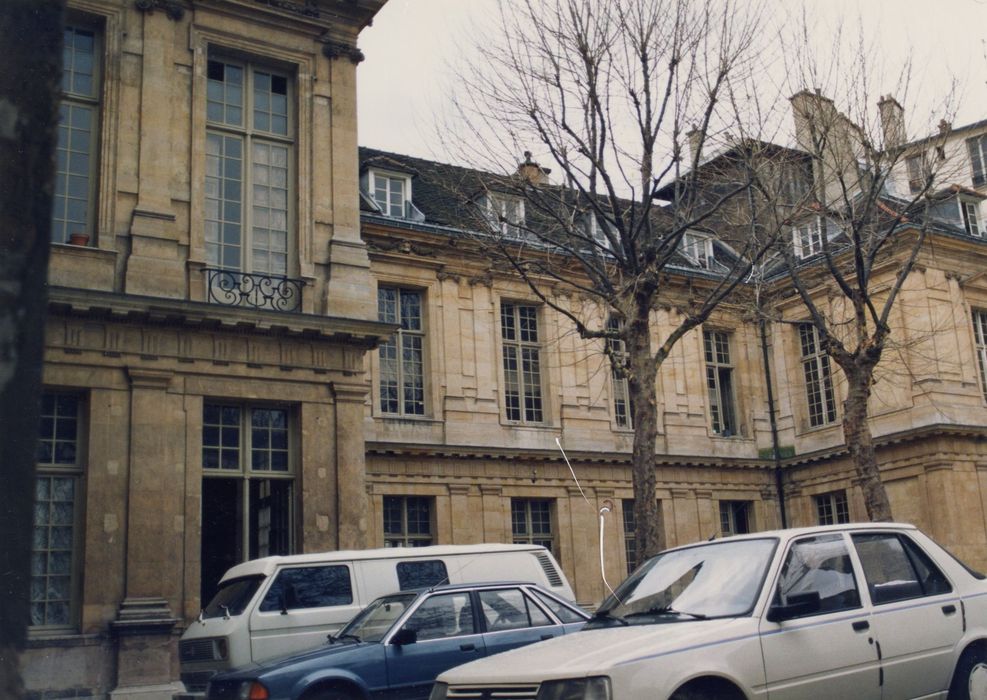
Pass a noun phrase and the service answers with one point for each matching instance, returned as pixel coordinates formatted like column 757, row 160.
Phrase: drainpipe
column 776, row 453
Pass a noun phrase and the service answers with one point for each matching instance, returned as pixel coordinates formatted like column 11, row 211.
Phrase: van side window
column 309, row 587
column 421, row 574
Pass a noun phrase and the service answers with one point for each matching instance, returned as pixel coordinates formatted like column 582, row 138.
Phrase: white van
column 276, row 606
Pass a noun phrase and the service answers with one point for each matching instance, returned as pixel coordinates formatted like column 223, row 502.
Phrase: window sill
column 44, row 639
column 395, row 419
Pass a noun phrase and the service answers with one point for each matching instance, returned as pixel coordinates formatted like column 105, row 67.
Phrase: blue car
column 397, row 645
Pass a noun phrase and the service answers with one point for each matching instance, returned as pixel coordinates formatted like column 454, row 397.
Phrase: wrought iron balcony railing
column 270, row 292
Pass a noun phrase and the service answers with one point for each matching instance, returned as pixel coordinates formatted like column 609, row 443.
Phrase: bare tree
column 851, row 242
column 618, row 98
column 29, row 81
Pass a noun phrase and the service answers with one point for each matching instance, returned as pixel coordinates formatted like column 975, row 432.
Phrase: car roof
column 265, row 566
column 794, row 532
column 469, row 586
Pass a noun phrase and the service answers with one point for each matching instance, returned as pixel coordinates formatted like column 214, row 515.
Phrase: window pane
column 439, row 616
column 820, row 565
column 309, row 587
column 421, row 574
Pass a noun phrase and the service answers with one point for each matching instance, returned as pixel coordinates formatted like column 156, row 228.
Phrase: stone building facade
column 209, row 317
column 451, row 459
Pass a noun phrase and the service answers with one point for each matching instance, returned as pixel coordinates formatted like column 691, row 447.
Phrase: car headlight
column 596, row 688
column 439, row 691
column 252, row 690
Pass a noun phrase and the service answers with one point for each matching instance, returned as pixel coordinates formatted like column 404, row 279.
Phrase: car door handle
column 861, row 625
column 547, row 636
column 467, row 647
column 948, row 609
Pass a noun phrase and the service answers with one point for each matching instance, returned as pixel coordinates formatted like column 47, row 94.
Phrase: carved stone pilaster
column 173, row 10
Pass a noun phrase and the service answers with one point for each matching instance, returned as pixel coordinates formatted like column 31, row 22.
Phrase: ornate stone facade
column 187, row 427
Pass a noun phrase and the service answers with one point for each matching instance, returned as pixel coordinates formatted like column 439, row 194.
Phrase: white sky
column 413, row 45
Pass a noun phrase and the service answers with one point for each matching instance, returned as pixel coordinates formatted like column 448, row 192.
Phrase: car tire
column 329, row 694
column 694, row 694
column 970, row 677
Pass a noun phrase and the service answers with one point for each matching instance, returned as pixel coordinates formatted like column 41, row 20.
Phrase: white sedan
column 849, row 611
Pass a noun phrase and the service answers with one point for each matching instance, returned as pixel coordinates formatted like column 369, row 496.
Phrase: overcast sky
column 413, row 45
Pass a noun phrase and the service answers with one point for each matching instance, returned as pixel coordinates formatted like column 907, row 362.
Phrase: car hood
column 332, row 655
column 596, row 651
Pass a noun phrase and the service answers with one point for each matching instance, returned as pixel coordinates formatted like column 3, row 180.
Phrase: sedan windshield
column 372, row 623
column 719, row 579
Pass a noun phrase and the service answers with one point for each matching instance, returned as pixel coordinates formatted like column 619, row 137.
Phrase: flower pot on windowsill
column 78, row 238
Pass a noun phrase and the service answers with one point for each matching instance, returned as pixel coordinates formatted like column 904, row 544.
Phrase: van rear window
column 309, row 587
column 421, row 574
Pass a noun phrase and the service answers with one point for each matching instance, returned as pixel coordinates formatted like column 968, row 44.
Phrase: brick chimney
column 892, row 121
column 531, row 171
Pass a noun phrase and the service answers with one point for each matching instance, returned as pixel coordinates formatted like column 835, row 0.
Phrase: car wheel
column 970, row 678
column 693, row 694
column 329, row 694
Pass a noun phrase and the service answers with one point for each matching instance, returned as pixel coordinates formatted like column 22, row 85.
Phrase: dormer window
column 807, row 238
column 391, row 192
column 591, row 228
column 971, row 218
column 916, row 176
column 698, row 248
column 505, row 215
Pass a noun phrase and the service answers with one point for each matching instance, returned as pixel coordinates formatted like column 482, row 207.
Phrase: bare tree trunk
column 860, row 442
column 641, row 382
column 29, row 78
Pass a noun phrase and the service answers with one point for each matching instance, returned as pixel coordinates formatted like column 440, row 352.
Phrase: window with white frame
column 531, row 522
column 971, row 217
column 248, row 473
column 818, row 379
column 977, row 146
column 698, row 249
column 57, row 506
column 522, row 362
column 402, row 363
column 250, row 149
column 391, row 192
column 980, row 337
column 735, row 517
column 592, row 228
column 407, row 521
column 74, row 196
column 807, row 238
column 719, row 383
column 505, row 215
column 623, row 411
column 832, row 508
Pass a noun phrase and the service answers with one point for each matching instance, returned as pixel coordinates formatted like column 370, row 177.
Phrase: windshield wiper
column 607, row 615
column 666, row 610
column 333, row 638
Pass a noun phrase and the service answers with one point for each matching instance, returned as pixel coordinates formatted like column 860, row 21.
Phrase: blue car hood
column 338, row 655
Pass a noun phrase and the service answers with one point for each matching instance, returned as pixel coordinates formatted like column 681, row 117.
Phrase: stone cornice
column 173, row 10
column 84, row 303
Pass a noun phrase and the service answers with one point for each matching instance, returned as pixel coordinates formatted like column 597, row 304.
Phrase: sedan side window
column 819, row 565
column 508, row 609
column 896, row 569
column 447, row 615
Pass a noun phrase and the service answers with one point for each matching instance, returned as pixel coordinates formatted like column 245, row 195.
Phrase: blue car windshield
column 718, row 579
column 373, row 622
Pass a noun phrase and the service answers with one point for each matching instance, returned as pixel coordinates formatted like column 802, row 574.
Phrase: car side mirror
column 405, row 635
column 798, row 604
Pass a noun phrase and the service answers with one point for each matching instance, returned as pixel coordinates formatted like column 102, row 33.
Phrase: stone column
column 146, row 650
column 351, row 473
